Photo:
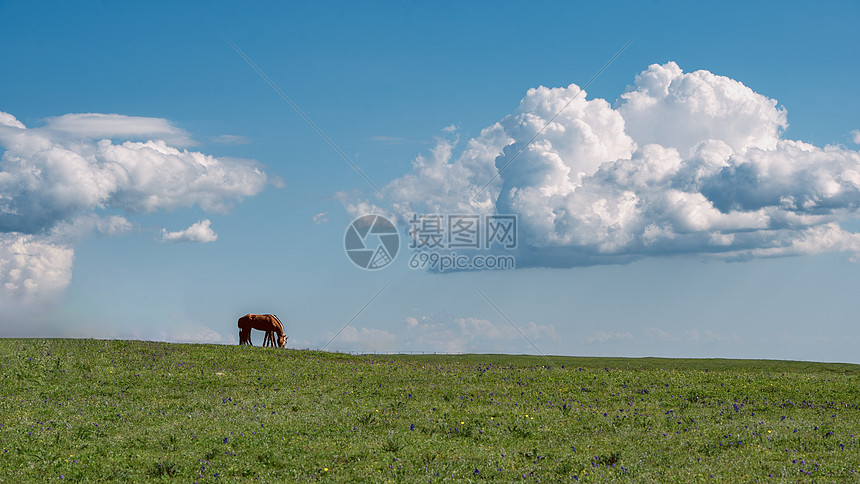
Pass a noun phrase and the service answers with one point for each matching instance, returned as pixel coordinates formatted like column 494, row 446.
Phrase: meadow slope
column 95, row 410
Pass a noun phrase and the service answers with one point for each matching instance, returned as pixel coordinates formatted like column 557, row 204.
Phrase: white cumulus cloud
column 199, row 232
column 57, row 180
column 675, row 109
column 31, row 267
column 196, row 333
column 607, row 336
column 320, row 218
column 365, row 339
column 86, row 225
column 682, row 163
column 471, row 334
column 48, row 178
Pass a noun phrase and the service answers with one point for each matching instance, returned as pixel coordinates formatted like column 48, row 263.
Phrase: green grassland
column 92, row 410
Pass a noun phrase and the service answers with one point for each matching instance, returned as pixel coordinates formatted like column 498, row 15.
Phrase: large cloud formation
column 683, row 163
column 56, row 180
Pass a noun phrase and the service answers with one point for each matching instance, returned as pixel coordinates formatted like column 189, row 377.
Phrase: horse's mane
column 280, row 324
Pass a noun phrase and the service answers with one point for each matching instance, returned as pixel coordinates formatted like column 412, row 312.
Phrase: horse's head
column 279, row 327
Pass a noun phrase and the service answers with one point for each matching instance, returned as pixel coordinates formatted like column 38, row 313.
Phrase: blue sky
column 681, row 215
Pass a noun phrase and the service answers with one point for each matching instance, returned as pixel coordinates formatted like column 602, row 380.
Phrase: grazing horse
column 263, row 322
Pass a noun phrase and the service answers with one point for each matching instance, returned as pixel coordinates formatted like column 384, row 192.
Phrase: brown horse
column 263, row 322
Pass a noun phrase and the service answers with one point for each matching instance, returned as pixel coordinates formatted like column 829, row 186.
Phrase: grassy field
column 91, row 410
